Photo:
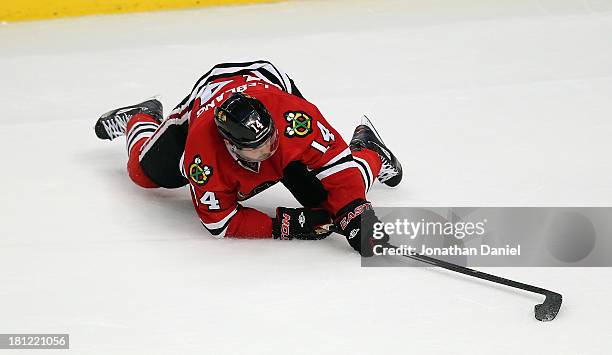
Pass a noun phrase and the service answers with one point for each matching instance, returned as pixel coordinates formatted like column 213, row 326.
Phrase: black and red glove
column 356, row 222
column 300, row 223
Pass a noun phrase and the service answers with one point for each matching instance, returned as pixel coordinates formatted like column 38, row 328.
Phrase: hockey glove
column 356, row 222
column 299, row 223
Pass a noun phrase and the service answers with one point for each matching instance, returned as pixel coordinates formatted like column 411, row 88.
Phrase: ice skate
column 113, row 123
column 366, row 136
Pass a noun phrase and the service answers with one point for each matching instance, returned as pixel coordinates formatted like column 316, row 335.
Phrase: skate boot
column 113, row 123
column 366, row 136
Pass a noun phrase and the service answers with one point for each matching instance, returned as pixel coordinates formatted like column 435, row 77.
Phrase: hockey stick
column 545, row 311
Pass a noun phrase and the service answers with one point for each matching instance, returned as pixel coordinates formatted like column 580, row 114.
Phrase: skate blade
column 368, row 123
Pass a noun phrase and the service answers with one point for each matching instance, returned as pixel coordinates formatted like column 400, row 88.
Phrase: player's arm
column 215, row 202
column 223, row 217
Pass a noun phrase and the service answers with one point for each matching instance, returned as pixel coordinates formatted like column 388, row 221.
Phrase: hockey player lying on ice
column 243, row 128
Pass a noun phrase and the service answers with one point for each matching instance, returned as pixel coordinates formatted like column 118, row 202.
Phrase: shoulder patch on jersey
column 300, row 124
column 199, row 173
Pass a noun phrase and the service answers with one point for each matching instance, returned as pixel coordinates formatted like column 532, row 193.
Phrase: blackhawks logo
column 300, row 124
column 199, row 173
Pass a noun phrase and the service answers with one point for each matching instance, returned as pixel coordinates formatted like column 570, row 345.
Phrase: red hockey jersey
column 218, row 181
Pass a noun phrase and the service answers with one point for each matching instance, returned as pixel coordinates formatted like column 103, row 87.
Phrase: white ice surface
column 486, row 103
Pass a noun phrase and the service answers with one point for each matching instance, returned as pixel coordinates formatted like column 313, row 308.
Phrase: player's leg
column 369, row 164
column 139, row 129
column 160, row 155
column 374, row 159
column 154, row 148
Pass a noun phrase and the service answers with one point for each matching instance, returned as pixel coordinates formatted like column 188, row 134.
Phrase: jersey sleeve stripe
column 222, row 223
column 265, row 79
column 286, row 81
column 273, row 78
column 217, row 233
column 279, row 76
column 318, row 146
column 294, row 90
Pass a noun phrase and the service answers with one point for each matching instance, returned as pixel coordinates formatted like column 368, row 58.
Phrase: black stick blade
column 548, row 310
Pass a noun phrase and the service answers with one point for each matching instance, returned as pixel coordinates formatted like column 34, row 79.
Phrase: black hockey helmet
column 244, row 121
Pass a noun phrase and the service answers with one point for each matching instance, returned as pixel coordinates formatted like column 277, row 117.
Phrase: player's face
column 260, row 153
